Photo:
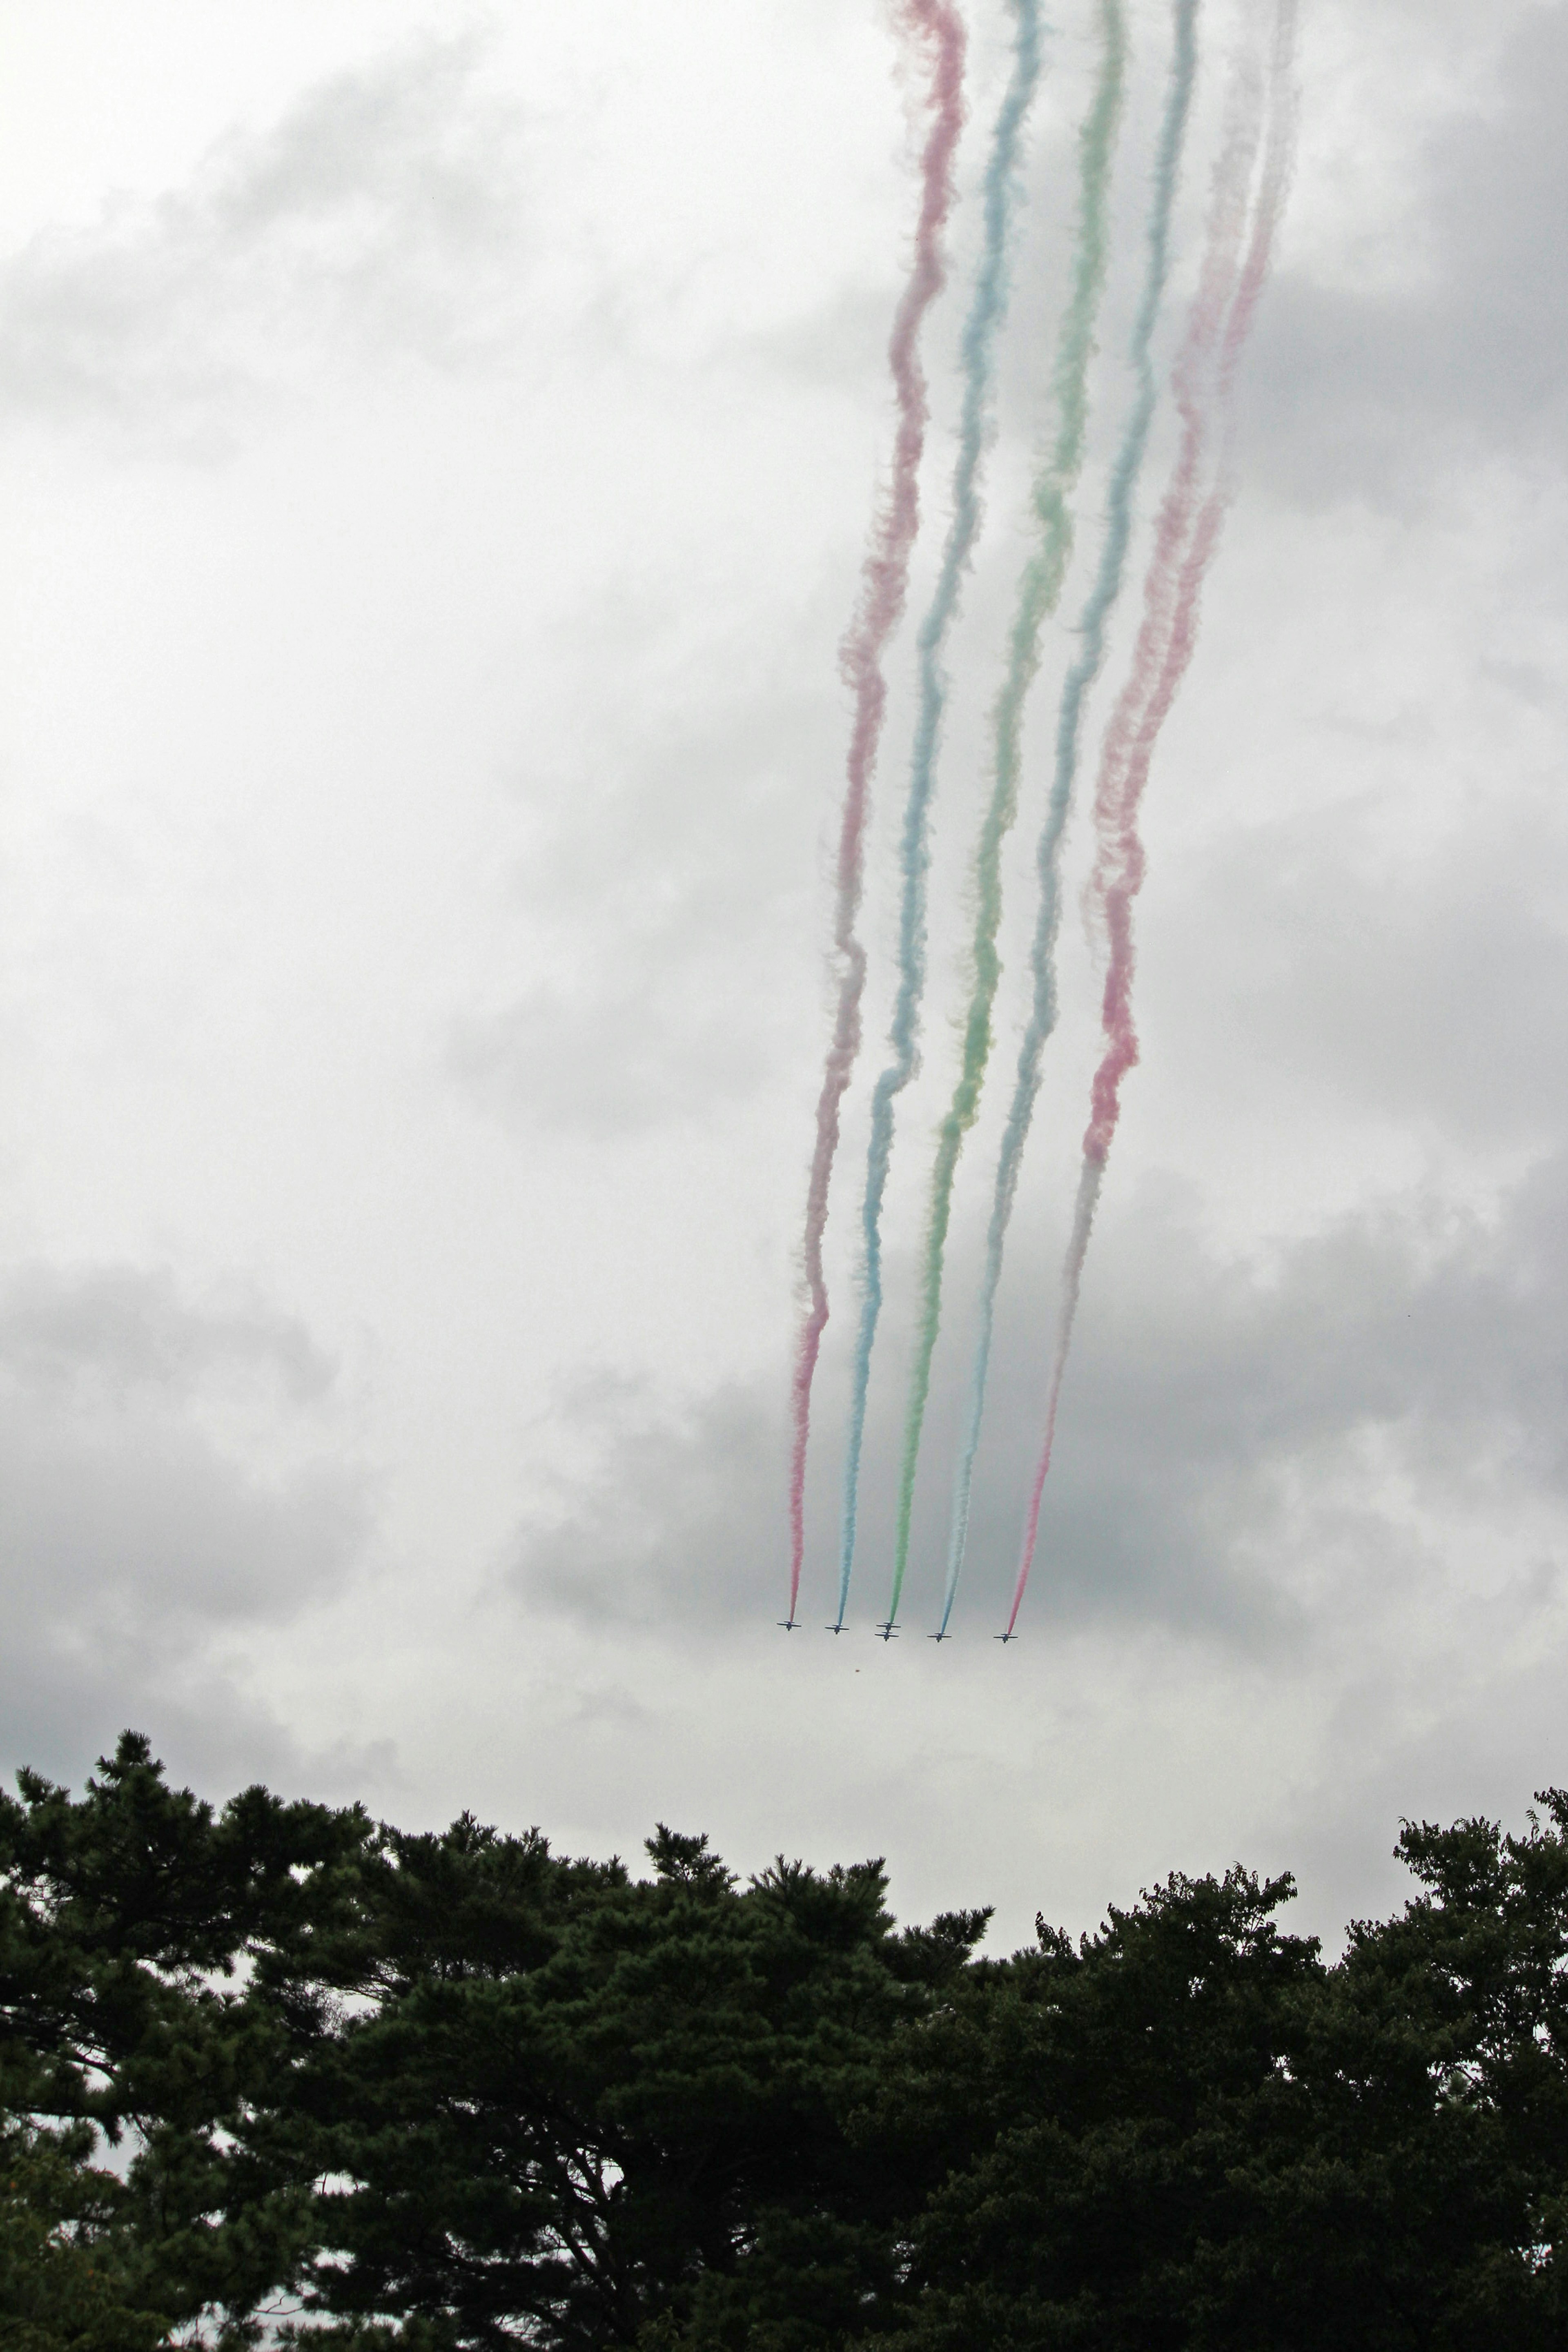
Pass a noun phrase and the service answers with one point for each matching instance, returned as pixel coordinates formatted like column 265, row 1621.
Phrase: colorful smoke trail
column 986, row 311
column 1081, row 677
column 932, row 29
column 1039, row 591
column 1186, row 541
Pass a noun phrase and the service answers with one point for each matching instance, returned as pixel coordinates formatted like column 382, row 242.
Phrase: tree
column 627, row 2114
column 453, row 2090
column 132, row 1923
column 1188, row 2132
column 69, row 2271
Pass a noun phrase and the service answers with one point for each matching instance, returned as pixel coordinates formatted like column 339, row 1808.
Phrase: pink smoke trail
column 1121, row 1052
column 935, row 28
column 1185, row 540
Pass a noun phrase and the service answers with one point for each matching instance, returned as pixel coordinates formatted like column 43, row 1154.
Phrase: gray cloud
column 664, row 893
column 1269, row 1464
column 129, row 1329
column 381, row 214
column 65, row 1709
column 1435, row 992
column 1227, row 1422
column 1228, row 1428
column 665, row 1521
column 1371, row 394
column 129, row 1536
column 620, row 1059
column 137, row 1526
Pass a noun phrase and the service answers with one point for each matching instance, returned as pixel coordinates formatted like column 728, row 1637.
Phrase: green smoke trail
column 1076, row 690
column 1038, row 593
column 987, row 310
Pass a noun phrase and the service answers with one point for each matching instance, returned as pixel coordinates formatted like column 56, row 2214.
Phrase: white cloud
column 381, row 216
column 415, row 834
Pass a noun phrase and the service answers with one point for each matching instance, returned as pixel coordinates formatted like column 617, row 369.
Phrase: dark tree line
column 282, row 2070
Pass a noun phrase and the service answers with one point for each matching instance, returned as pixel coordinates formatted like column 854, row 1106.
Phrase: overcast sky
column 436, row 449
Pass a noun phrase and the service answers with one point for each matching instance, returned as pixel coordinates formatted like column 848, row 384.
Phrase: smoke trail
column 1080, row 678
column 1038, row 592
column 1186, row 543
column 987, row 308
column 1089, row 1183
column 935, row 27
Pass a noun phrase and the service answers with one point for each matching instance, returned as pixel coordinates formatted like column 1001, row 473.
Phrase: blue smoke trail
column 1039, row 592
column 986, row 310
column 1076, row 689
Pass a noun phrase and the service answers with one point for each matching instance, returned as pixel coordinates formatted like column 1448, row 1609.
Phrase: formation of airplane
column 886, row 1631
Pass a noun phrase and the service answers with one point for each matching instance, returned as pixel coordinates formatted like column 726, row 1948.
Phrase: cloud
column 1429, row 990
column 1369, row 394
column 127, row 1329
column 134, row 1527
column 1240, row 1440
column 381, row 215
column 662, row 1519
column 660, row 892
column 131, row 1536
column 620, row 1060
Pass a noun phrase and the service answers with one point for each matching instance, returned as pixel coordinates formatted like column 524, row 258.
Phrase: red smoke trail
column 1121, row 1052
column 933, row 27
column 1185, row 539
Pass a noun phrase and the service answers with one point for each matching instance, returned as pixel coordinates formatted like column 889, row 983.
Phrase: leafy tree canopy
column 279, row 2070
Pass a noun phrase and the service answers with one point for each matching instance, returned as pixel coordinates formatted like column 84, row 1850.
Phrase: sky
column 436, row 446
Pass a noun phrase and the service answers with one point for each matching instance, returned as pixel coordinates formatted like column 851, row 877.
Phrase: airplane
column 840, row 1627
column 787, row 1624
column 887, row 1630
column 941, row 1637
column 1006, row 1637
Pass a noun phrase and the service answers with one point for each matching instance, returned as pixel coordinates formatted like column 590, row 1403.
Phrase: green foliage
column 68, row 2275
column 135, row 1929
column 424, row 2093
